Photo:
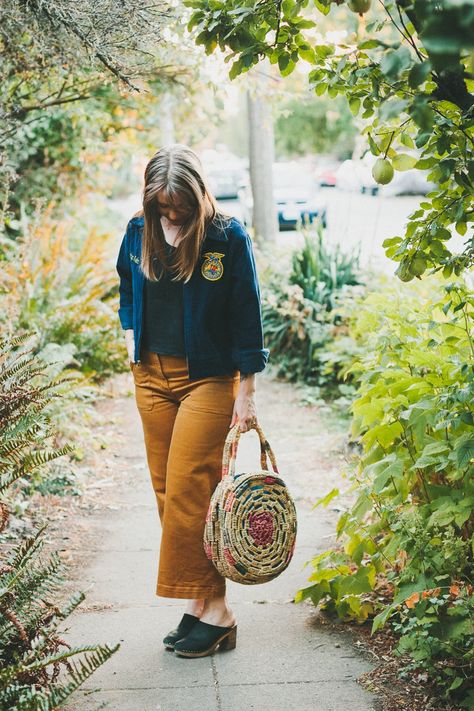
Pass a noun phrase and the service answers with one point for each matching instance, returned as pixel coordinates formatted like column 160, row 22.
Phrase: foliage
column 412, row 523
column 66, row 294
column 47, row 154
column 62, row 52
column 410, row 78
column 313, row 125
column 304, row 319
column 322, row 270
column 78, row 88
column 32, row 652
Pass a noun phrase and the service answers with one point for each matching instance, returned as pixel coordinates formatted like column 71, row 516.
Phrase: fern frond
column 30, row 462
column 83, row 670
column 73, row 602
column 15, row 367
column 9, row 342
column 55, row 618
column 12, row 442
column 28, row 547
column 37, row 459
column 36, row 581
column 29, row 698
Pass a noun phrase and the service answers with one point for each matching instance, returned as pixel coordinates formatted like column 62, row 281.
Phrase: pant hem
column 191, row 592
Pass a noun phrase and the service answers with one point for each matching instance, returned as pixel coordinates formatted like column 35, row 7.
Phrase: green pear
column 382, row 171
column 359, row 6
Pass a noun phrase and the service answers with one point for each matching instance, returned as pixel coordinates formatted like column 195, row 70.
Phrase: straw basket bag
column 250, row 528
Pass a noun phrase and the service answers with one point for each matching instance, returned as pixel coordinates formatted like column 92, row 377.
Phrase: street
column 353, row 219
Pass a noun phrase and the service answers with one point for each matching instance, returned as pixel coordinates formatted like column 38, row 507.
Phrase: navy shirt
column 163, row 321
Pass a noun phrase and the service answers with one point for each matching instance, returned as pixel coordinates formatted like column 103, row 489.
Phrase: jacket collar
column 213, row 231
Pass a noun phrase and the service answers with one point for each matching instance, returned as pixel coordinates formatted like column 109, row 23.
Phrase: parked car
column 408, row 182
column 297, row 197
column 357, row 175
column 225, row 173
column 325, row 174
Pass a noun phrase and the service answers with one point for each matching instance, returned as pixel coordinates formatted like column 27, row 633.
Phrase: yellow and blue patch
column 212, row 267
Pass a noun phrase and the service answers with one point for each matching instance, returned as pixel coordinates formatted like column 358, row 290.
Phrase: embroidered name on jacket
column 212, row 267
column 134, row 258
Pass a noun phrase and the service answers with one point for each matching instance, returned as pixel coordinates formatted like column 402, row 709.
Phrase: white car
column 357, row 175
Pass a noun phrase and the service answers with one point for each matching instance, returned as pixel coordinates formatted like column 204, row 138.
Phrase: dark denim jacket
column 222, row 311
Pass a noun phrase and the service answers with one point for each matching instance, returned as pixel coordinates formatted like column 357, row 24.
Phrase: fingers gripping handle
column 230, row 450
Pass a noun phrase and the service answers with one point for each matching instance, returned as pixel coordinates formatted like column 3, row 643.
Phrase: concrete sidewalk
column 283, row 657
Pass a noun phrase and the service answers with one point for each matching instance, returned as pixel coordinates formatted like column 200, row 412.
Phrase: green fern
column 29, row 698
column 32, row 650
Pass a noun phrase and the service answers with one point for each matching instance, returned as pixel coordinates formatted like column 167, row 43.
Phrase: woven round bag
column 250, row 528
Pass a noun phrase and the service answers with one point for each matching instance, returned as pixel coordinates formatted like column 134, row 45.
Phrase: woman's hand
column 130, row 342
column 245, row 408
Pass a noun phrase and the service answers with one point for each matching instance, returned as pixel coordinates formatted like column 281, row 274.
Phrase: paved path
column 284, row 656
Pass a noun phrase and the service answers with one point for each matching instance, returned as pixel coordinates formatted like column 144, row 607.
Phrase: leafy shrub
column 322, row 271
column 67, row 295
column 305, row 318
column 32, row 652
column 410, row 530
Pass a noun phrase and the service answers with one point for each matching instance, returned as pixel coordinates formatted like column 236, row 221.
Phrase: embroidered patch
column 134, row 258
column 212, row 267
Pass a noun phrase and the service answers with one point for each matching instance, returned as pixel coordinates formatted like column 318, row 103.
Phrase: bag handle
column 230, row 450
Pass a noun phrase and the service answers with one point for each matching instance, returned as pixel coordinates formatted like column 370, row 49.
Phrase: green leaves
column 446, row 34
column 419, row 73
column 354, row 105
column 403, row 161
column 420, row 95
column 410, row 527
column 325, row 500
column 394, row 62
column 422, row 114
column 391, row 108
column 464, row 450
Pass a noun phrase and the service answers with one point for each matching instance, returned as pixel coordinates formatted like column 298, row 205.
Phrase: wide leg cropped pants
column 185, row 424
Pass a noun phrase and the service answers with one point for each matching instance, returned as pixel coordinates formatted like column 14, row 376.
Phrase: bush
column 32, row 651
column 305, row 319
column 322, row 271
column 67, row 295
column 410, row 530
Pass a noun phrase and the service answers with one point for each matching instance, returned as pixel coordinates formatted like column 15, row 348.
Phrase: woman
column 190, row 308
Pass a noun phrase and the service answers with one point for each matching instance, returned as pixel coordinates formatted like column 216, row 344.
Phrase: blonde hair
column 177, row 171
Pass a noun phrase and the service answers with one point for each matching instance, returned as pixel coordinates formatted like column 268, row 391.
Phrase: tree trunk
column 261, row 158
column 166, row 120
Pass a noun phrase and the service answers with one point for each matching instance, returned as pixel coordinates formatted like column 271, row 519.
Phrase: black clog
column 204, row 638
column 185, row 626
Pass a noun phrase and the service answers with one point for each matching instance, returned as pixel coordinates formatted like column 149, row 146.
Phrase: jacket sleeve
column 247, row 349
column 125, row 311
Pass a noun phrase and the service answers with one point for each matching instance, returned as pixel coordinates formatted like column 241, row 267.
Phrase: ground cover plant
column 38, row 668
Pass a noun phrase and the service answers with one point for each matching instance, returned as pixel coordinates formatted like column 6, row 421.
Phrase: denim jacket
column 221, row 301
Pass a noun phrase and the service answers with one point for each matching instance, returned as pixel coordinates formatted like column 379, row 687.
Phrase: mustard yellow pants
column 185, row 424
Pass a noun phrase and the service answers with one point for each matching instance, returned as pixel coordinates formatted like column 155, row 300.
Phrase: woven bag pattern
column 250, row 528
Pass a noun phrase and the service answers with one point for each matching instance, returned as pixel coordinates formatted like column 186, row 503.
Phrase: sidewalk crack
column 216, row 684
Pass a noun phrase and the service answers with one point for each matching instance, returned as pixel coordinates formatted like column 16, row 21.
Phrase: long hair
column 177, row 171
